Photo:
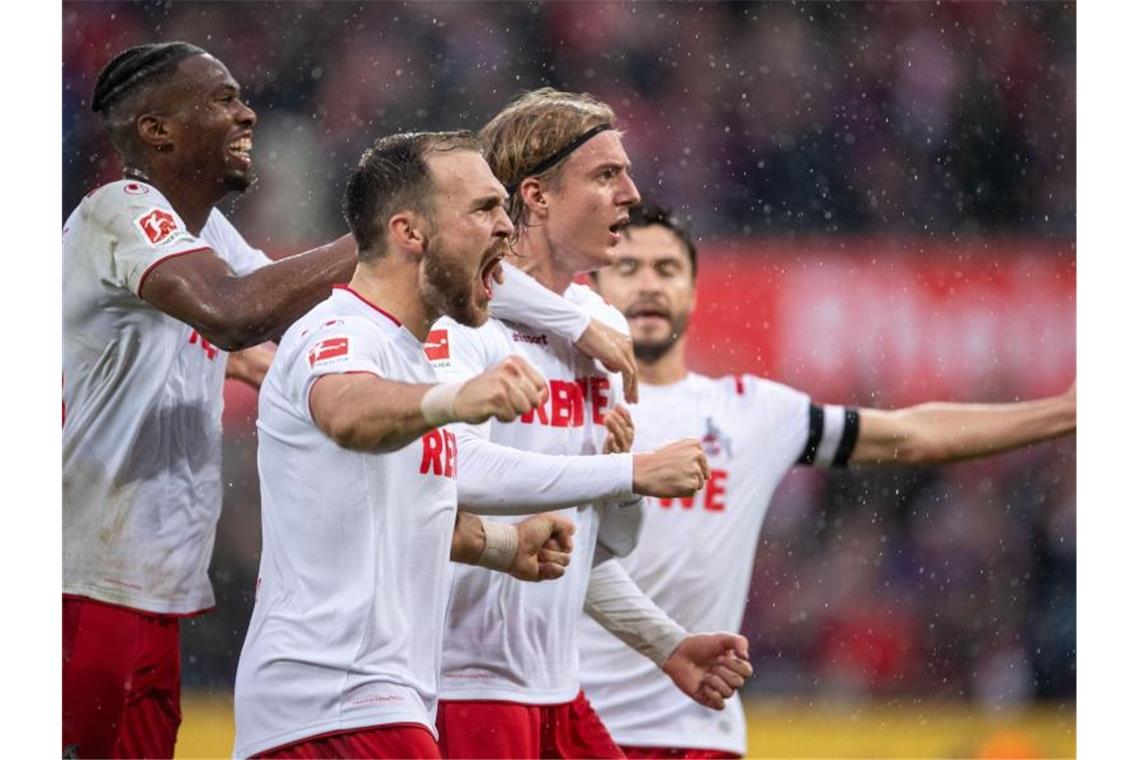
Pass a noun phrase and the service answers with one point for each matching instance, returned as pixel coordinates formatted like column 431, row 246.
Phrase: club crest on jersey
column 157, row 225
column 134, row 188
column 437, row 346
column 329, row 351
column 714, row 442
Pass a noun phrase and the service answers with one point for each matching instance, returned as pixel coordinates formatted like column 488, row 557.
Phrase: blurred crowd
column 912, row 117
column 750, row 119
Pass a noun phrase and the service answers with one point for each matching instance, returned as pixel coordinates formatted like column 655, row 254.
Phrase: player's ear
column 406, row 232
column 154, row 131
column 534, row 198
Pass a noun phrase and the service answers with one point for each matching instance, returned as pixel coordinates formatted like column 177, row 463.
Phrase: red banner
column 890, row 321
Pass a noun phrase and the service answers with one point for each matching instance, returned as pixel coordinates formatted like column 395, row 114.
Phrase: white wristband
column 500, row 544
column 438, row 404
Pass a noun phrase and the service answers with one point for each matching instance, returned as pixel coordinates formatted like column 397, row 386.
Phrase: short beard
column 239, row 183
column 651, row 352
column 442, row 294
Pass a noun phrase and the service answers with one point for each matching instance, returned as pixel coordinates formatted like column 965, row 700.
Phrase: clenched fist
column 710, row 667
column 545, row 544
column 678, row 469
column 510, row 388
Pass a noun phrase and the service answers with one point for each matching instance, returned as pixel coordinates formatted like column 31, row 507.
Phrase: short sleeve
column 340, row 346
column 456, row 352
column 228, row 243
column 782, row 412
column 144, row 230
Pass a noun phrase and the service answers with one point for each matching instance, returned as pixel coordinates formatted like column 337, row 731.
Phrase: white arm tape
column 438, row 404
column 500, row 544
column 523, row 299
column 623, row 609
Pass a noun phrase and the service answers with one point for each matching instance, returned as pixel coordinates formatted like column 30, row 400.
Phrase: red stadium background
column 885, row 321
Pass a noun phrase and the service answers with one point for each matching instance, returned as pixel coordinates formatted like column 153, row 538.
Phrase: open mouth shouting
column 492, row 269
column 616, row 228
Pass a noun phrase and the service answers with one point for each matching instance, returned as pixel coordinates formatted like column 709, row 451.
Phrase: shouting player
column 696, row 563
column 157, row 286
column 358, row 480
column 510, row 684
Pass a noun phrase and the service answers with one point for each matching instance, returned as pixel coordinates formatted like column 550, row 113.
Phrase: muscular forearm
column 268, row 300
column 496, row 479
column 467, row 539
column 365, row 413
column 942, row 432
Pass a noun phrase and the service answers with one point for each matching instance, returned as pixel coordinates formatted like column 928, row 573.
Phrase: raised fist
column 510, row 388
column 678, row 469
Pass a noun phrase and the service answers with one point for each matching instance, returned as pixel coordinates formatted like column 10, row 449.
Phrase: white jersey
column 355, row 567
column 694, row 558
column 506, row 639
column 142, row 395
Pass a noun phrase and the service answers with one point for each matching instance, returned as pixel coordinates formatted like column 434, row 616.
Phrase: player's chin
column 239, row 181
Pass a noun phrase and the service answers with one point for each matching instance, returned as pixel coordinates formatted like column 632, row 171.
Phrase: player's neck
column 395, row 289
column 192, row 200
column 535, row 257
column 668, row 369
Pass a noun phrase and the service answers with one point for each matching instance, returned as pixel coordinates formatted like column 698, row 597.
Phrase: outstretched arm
column 707, row 667
column 235, row 312
column 941, row 432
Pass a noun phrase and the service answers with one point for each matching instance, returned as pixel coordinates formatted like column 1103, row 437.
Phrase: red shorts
column 121, row 671
column 469, row 729
column 410, row 740
column 681, row 753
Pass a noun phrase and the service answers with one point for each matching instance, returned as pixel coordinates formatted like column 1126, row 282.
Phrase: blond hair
column 532, row 128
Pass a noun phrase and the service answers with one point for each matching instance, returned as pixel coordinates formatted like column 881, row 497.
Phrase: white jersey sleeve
column 240, row 255
column 147, row 231
column 339, row 346
column 522, row 299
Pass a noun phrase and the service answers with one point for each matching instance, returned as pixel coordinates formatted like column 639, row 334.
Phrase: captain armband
column 832, row 433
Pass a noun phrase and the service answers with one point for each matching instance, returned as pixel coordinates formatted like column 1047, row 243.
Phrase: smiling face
column 207, row 128
column 467, row 238
column 589, row 202
column 652, row 284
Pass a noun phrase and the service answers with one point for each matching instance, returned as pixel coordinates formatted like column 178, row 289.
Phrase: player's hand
column 709, row 667
column 510, row 388
column 614, row 351
column 619, row 431
column 250, row 365
column 678, row 469
column 545, row 544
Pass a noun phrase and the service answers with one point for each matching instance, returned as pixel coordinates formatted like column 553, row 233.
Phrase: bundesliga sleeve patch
column 437, row 345
column 328, row 351
column 157, row 226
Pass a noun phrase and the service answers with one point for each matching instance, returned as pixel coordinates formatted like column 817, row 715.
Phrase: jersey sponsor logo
column 328, row 351
column 438, row 346
column 438, row 453
column 711, row 496
column 134, row 188
column 566, row 406
column 536, row 340
column 210, row 349
column 157, row 225
column 714, row 441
